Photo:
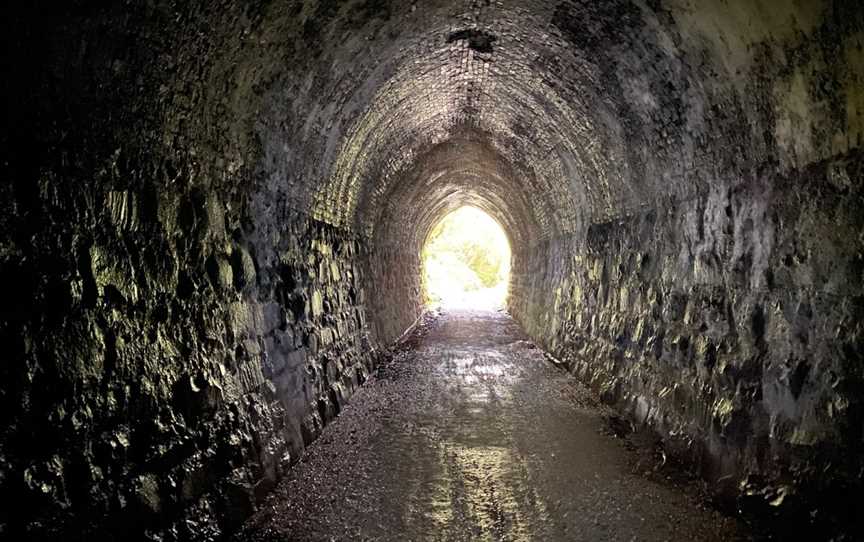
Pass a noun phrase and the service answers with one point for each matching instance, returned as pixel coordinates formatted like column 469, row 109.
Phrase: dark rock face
column 705, row 321
column 727, row 319
column 173, row 390
column 212, row 218
column 168, row 352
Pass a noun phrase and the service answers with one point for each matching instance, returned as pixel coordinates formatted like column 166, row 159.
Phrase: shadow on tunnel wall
column 211, row 217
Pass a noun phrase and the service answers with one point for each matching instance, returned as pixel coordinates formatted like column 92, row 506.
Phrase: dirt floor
column 472, row 434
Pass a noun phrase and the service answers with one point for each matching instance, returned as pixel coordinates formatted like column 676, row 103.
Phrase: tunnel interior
column 214, row 216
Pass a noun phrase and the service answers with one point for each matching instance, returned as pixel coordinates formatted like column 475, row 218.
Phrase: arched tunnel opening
column 213, row 225
column 466, row 261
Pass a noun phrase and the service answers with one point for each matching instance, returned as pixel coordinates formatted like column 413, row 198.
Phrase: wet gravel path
column 474, row 435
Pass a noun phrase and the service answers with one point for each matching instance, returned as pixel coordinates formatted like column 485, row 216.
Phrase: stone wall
column 397, row 301
column 723, row 308
column 730, row 323
column 171, row 343
column 160, row 380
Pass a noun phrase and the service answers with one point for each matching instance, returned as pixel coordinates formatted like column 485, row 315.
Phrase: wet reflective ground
column 473, row 435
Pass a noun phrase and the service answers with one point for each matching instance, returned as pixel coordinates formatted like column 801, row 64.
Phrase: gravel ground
column 471, row 434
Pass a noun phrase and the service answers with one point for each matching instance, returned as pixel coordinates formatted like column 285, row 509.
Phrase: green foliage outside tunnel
column 466, row 259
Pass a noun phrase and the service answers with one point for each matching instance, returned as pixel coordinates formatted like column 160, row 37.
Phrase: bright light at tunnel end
column 466, row 262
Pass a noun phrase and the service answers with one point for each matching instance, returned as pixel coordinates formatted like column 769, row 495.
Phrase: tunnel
column 212, row 216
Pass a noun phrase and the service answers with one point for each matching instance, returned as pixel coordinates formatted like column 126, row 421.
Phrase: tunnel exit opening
column 466, row 262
